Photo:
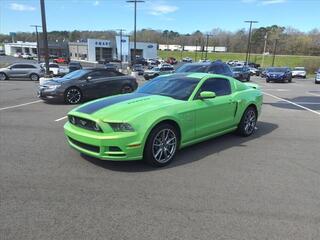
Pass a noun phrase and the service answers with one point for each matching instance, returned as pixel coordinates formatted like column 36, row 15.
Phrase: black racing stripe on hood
column 96, row 106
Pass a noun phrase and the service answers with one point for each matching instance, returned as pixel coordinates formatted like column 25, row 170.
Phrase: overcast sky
column 184, row 16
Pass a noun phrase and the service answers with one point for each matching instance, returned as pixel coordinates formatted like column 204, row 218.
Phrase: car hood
column 58, row 80
column 123, row 107
column 150, row 71
column 276, row 73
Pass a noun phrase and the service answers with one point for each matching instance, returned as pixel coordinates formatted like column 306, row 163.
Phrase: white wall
column 149, row 49
column 92, row 44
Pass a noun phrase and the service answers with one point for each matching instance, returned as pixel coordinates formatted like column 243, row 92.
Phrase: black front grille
column 84, row 123
column 85, row 146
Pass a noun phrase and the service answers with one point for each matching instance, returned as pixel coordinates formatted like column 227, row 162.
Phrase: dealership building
column 55, row 48
column 95, row 50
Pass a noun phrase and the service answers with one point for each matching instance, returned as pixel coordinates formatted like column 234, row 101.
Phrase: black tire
column 156, row 148
column 248, row 79
column 3, row 76
column 73, row 95
column 290, row 80
column 267, row 80
column 248, row 122
column 34, row 77
column 126, row 89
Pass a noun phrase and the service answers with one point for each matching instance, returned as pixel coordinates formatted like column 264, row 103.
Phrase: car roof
column 96, row 68
column 206, row 63
column 194, row 75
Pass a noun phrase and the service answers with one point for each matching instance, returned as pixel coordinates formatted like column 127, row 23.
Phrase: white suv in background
column 317, row 78
column 299, row 72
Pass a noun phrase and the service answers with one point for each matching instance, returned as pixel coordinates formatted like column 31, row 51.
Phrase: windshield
column 192, row 68
column 176, row 87
column 238, row 69
column 76, row 74
column 276, row 69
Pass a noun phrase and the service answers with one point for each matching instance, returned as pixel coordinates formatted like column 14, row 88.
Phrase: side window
column 95, row 74
column 111, row 73
column 217, row 69
column 116, row 73
column 228, row 70
column 220, row 86
column 15, row 66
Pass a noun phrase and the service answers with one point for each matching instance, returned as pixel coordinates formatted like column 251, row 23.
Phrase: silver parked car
column 22, row 70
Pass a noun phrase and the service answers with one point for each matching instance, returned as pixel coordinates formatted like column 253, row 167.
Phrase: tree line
column 290, row 41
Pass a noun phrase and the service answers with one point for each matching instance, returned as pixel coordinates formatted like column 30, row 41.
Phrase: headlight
column 52, row 87
column 121, row 127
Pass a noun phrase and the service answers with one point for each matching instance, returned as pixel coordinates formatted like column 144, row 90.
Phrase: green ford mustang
column 164, row 115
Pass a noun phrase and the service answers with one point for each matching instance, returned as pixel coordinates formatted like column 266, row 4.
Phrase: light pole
column 264, row 49
column 208, row 35
column 135, row 24
column 274, row 51
column 38, row 52
column 249, row 40
column 121, row 31
column 196, row 55
column 45, row 36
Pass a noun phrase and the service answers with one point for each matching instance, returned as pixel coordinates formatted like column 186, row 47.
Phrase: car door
column 112, row 82
column 216, row 114
column 28, row 69
column 17, row 70
column 92, row 84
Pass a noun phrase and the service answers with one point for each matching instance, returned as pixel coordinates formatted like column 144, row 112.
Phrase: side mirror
column 207, row 95
column 89, row 78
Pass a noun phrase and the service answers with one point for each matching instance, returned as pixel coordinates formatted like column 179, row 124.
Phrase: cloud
column 96, row 3
column 269, row 2
column 162, row 9
column 21, row 7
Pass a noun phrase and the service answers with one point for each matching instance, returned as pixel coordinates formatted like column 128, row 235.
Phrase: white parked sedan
column 299, row 72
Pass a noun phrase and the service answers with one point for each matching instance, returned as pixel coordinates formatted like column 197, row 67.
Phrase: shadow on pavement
column 189, row 154
column 306, row 101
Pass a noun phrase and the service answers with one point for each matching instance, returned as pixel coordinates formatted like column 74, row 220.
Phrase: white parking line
column 20, row 105
column 303, row 103
column 293, row 103
column 59, row 119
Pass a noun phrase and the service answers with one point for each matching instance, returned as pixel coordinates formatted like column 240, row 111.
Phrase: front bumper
column 276, row 78
column 114, row 146
column 50, row 95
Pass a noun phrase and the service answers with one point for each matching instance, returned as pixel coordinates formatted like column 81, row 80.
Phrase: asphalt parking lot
column 262, row 187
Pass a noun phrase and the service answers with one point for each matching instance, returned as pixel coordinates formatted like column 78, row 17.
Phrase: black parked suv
column 241, row 73
column 73, row 66
column 217, row 67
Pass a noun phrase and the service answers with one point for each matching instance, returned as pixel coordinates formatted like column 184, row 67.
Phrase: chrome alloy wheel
column 2, row 76
column 73, row 96
column 164, row 145
column 250, row 122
